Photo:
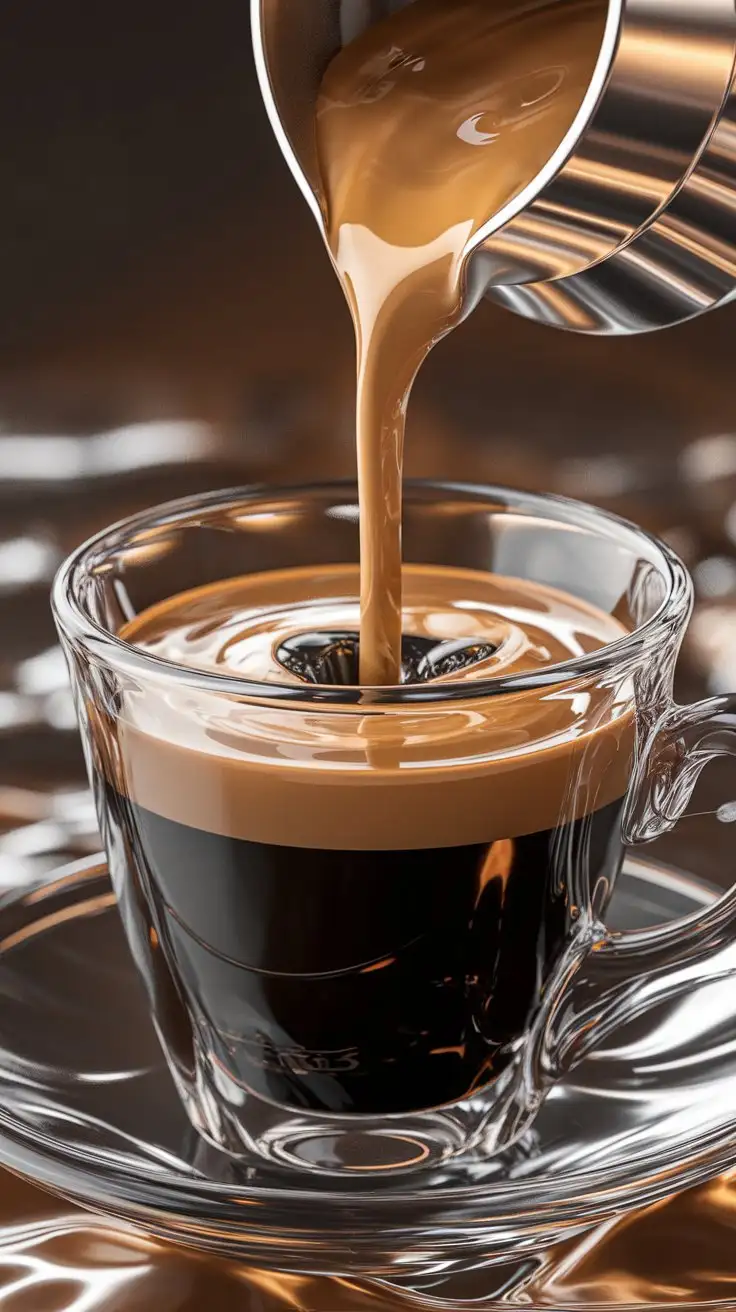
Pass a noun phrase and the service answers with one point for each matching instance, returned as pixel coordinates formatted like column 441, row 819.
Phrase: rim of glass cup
column 83, row 630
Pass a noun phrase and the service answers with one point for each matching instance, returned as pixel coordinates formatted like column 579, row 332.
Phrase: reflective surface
column 87, row 1106
column 56, row 1258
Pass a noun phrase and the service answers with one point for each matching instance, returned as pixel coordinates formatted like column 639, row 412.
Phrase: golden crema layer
column 426, row 775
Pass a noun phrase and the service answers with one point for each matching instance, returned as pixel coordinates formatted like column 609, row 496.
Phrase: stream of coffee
column 428, row 125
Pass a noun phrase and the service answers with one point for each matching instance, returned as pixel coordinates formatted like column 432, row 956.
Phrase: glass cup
column 363, row 954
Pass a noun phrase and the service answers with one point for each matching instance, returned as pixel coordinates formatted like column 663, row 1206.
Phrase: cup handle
column 632, row 967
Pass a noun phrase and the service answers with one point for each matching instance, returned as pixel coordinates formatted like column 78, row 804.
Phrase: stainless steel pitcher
column 631, row 225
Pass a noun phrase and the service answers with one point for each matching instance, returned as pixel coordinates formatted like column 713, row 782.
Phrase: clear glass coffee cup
column 362, row 955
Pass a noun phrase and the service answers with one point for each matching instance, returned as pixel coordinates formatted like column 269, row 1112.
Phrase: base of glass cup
column 332, row 1149
column 241, row 1123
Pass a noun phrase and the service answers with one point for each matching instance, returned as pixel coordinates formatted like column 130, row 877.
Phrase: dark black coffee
column 354, row 981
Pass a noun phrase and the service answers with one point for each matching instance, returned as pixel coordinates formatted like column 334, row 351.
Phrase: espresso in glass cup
column 361, row 914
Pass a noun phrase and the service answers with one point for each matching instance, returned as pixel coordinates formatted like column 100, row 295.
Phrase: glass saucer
column 88, row 1110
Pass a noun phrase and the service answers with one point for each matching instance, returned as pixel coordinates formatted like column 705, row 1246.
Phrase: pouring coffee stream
column 426, row 125
column 508, row 147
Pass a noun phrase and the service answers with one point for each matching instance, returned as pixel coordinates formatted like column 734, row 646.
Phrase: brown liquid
column 427, row 126
column 437, row 775
column 54, row 1255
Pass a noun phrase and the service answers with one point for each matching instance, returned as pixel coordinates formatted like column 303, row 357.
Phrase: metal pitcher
column 631, row 225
